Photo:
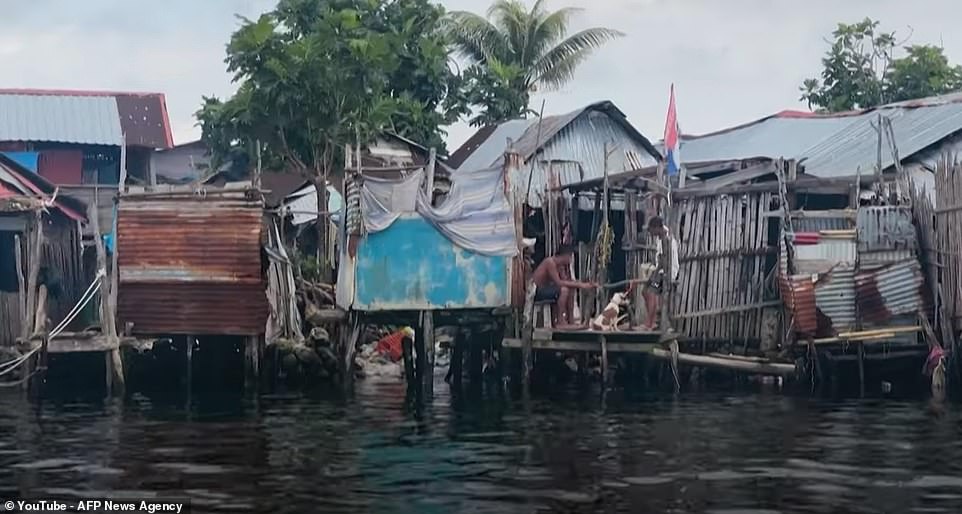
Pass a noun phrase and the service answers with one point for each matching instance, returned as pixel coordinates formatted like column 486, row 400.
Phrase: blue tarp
column 28, row 160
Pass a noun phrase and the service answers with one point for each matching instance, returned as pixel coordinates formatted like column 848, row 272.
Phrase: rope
column 674, row 364
column 19, row 382
column 14, row 364
column 84, row 300
column 9, row 366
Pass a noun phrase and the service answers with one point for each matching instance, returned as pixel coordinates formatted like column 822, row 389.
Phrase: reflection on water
column 570, row 453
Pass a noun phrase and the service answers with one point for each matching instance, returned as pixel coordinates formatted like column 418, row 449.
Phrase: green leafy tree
column 516, row 50
column 860, row 70
column 316, row 75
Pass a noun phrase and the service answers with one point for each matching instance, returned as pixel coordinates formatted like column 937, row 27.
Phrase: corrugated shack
column 190, row 261
column 859, row 269
column 39, row 246
column 840, row 253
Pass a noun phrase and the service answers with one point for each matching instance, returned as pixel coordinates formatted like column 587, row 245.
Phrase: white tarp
column 476, row 214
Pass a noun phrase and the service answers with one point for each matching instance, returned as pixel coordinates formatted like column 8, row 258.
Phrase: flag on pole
column 672, row 143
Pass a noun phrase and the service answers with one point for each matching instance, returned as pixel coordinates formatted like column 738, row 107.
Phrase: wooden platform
column 574, row 340
column 77, row 342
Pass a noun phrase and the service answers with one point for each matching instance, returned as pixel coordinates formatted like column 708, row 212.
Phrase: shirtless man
column 550, row 278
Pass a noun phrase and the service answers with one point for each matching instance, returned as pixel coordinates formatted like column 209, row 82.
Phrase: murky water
column 573, row 452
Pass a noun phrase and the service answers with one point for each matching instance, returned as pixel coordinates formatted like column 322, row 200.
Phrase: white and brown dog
column 608, row 319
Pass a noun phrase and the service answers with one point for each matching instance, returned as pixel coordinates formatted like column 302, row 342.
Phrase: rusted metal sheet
column 143, row 117
column 191, row 266
column 893, row 290
column 238, row 309
column 886, row 234
column 835, row 298
column 885, row 228
column 798, row 293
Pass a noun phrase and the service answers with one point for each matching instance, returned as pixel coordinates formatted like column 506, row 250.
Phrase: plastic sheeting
column 475, row 215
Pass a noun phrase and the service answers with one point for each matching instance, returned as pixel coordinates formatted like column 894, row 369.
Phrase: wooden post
column 107, row 299
column 407, row 349
column 604, row 362
column 256, row 179
column 40, row 316
column 420, row 354
column 117, row 363
column 427, row 337
column 34, row 258
column 456, row 370
column 349, row 342
column 21, row 283
column 527, row 334
column 432, row 162
column 189, row 352
column 252, row 358
column 861, row 369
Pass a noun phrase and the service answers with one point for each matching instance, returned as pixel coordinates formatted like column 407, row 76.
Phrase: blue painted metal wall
column 412, row 266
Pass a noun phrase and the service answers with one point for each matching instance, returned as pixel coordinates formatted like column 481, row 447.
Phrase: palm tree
column 531, row 44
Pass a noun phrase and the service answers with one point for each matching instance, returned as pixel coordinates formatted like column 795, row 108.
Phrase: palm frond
column 474, row 37
column 548, row 31
column 558, row 65
column 511, row 18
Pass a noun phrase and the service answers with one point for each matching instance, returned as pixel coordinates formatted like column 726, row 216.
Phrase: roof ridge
column 73, row 92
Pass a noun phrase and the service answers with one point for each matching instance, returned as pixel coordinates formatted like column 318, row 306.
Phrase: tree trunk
column 324, row 265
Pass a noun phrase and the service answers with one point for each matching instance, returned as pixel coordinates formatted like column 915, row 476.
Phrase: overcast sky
column 731, row 61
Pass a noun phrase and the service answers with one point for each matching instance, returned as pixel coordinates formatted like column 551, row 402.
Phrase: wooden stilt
column 189, row 350
column 117, row 369
column 407, row 351
column 604, row 362
column 476, row 359
column 348, row 336
column 427, row 336
column 861, row 369
column 251, row 361
column 527, row 334
column 420, row 357
column 456, row 370
column 108, row 373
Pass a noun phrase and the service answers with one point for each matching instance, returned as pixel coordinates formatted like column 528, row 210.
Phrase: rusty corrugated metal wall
column 191, row 265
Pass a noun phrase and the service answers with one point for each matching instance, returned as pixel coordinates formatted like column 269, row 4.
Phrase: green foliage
column 860, row 71
column 315, row 75
column 514, row 51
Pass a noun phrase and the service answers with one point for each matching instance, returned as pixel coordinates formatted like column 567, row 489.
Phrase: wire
column 9, row 366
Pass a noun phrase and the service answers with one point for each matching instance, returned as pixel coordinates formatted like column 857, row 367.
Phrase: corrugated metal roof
column 577, row 152
column 856, row 145
column 832, row 145
column 191, row 265
column 574, row 141
column 491, row 151
column 92, row 120
column 773, row 137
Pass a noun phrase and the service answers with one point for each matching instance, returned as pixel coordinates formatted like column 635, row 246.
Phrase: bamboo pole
column 760, row 368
